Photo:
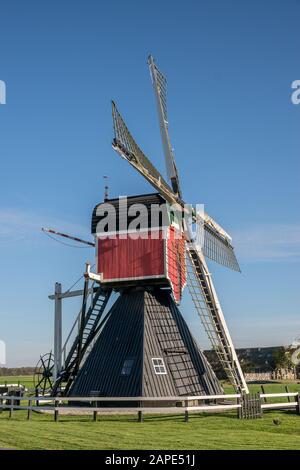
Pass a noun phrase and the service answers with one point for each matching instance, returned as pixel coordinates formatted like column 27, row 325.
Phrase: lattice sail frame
column 160, row 90
column 219, row 249
column 126, row 146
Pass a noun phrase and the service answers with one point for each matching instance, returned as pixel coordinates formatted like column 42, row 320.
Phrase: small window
column 127, row 366
column 159, row 366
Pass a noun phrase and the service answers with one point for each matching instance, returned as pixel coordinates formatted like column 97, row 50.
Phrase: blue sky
column 235, row 132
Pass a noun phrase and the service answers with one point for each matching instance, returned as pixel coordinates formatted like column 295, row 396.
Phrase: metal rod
column 66, row 235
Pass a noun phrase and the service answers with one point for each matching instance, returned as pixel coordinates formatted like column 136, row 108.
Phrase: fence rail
column 57, row 404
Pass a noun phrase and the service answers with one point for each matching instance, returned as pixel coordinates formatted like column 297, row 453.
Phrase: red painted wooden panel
column 131, row 258
column 176, row 263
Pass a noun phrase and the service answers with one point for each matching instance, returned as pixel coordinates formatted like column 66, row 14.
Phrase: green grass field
column 222, row 431
column 26, row 380
column 167, row 432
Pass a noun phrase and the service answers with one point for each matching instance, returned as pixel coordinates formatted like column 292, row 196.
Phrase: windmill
column 142, row 345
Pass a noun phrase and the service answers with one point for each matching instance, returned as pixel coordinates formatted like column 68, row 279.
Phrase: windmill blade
column 209, row 310
column 215, row 243
column 126, row 146
column 218, row 248
column 160, row 90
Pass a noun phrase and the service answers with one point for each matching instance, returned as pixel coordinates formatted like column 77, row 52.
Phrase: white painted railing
column 56, row 404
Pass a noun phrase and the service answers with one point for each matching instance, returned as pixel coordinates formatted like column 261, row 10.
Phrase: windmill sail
column 218, row 248
column 126, row 146
column 209, row 310
column 160, row 90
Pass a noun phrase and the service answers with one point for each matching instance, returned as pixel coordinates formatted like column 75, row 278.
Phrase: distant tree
column 282, row 359
column 248, row 365
column 16, row 371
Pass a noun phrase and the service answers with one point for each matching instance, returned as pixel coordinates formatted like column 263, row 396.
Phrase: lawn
column 26, row 380
column 163, row 432
column 221, row 431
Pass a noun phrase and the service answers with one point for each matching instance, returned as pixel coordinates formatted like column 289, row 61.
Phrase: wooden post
column 140, row 416
column 298, row 403
column 287, row 391
column 57, row 330
column 263, row 390
column 37, row 394
column 186, row 412
column 11, row 408
column 56, row 414
column 94, row 412
column 239, row 410
column 29, row 410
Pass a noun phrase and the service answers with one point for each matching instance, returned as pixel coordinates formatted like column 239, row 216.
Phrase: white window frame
column 159, row 369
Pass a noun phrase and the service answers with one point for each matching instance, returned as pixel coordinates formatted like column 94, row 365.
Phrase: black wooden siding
column 144, row 325
column 188, row 370
column 121, row 339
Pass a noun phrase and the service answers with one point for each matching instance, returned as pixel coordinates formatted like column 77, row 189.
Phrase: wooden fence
column 188, row 404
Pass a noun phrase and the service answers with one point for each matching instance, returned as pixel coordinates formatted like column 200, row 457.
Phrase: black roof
column 118, row 209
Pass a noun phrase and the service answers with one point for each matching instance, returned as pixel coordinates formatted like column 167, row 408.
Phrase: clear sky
column 235, row 131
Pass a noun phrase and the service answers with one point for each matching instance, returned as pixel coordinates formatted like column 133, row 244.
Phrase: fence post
column 56, row 414
column 29, row 410
column 140, row 413
column 298, row 403
column 239, row 410
column 186, row 412
column 287, row 391
column 95, row 411
column 37, row 394
column 263, row 390
column 11, row 408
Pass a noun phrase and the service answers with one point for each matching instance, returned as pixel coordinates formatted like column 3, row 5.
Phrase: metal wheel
column 43, row 374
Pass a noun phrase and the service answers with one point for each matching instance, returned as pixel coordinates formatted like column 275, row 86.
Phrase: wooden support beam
column 72, row 293
column 57, row 331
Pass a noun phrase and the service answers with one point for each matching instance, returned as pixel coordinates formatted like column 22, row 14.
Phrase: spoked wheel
column 43, row 374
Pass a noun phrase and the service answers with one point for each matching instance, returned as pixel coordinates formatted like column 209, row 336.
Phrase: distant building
column 258, row 364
